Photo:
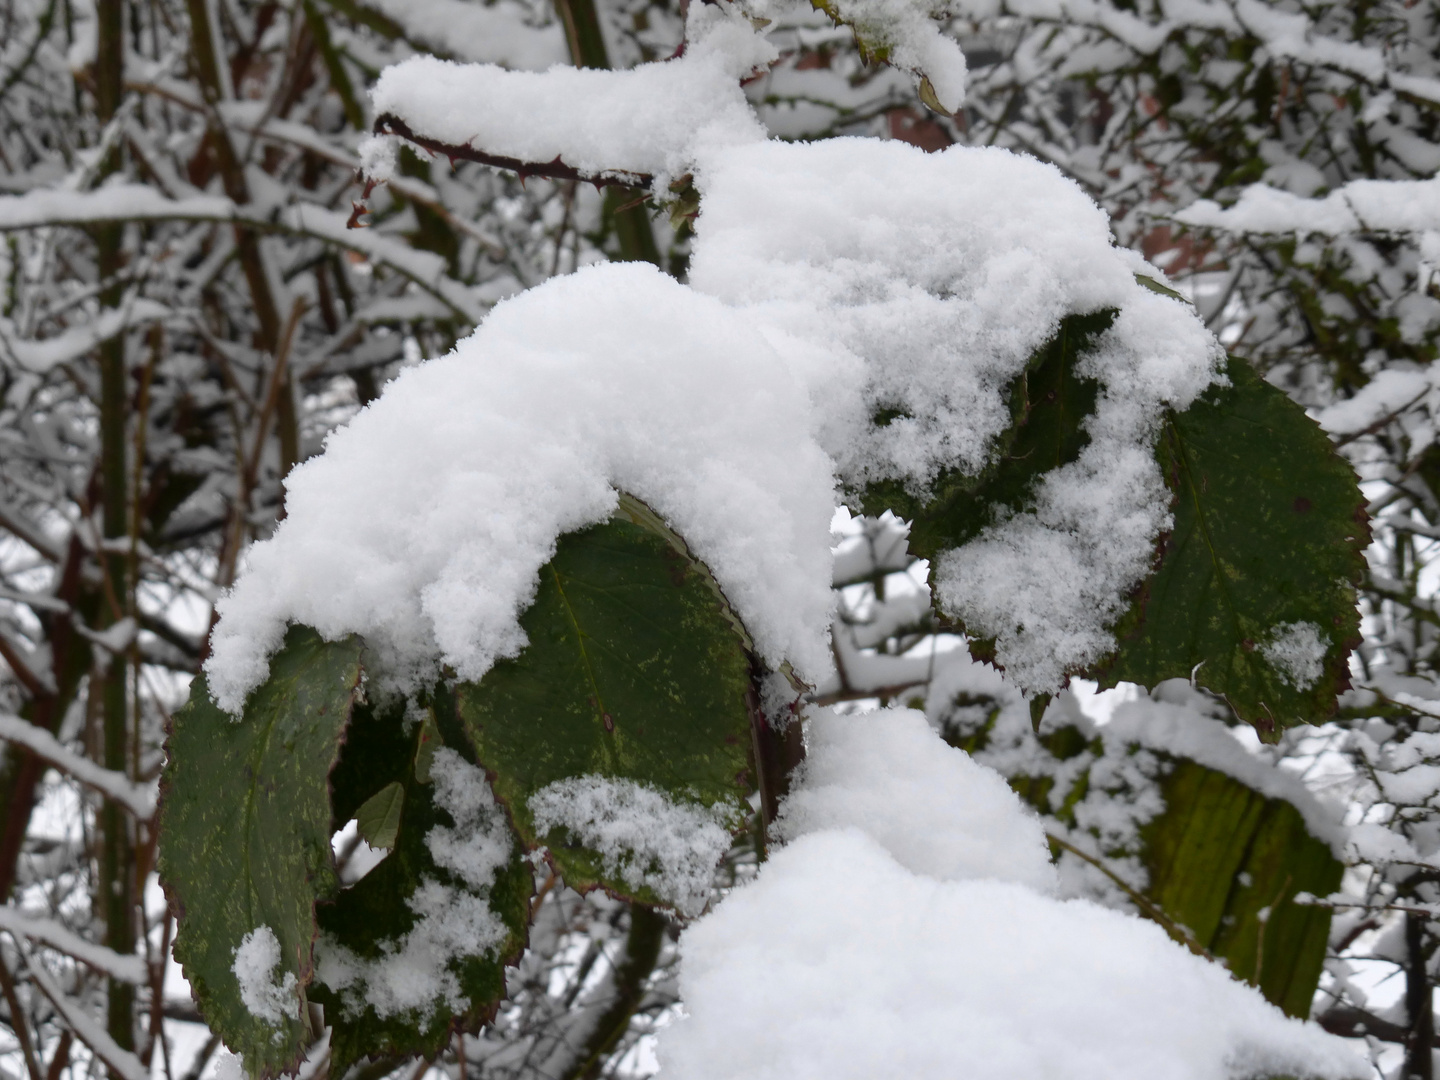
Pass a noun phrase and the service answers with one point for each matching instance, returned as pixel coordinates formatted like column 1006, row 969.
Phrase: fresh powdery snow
column 854, row 956
column 1297, row 653
column 643, row 836
column 256, row 958
column 885, row 774
column 413, row 974
column 829, row 282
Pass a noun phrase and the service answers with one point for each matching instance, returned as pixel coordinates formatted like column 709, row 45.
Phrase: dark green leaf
column 1227, row 863
column 636, row 670
column 1049, row 402
column 379, row 816
column 1268, row 538
column 374, row 914
column 246, row 823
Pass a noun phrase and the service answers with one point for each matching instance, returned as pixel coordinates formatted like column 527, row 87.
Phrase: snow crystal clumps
column 919, row 285
column 842, row 962
column 887, row 774
column 256, row 959
column 1297, row 653
column 643, row 836
column 424, row 525
column 412, row 975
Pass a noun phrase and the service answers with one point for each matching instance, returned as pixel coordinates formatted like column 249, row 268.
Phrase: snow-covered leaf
column 418, row 946
column 1254, row 594
column 623, row 728
column 245, row 813
column 1049, row 403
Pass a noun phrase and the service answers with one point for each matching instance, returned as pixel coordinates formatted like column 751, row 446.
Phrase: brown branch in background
column 388, row 124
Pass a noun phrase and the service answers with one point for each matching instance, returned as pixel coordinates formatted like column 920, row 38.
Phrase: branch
column 139, row 799
column 130, row 969
column 126, row 1065
column 390, row 124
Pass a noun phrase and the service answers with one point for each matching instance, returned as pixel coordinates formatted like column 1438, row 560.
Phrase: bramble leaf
column 1227, row 862
column 636, row 671
column 246, row 817
column 1254, row 594
column 370, row 922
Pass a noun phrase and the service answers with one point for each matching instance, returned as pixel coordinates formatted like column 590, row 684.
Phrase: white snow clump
column 643, row 836
column 412, row 975
column 885, row 775
column 829, row 281
column 847, row 959
column 1297, row 653
column 256, row 958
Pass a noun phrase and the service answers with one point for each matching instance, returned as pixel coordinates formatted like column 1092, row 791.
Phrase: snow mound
column 887, row 774
column 842, row 962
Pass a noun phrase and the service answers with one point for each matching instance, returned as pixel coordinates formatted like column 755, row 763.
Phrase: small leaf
column 245, row 820
column 929, row 98
column 1164, row 290
column 636, row 671
column 1254, row 596
column 379, row 816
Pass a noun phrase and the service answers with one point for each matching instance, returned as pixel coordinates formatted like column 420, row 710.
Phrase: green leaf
column 636, row 670
column 1048, row 403
column 1227, row 863
column 379, row 816
column 245, row 817
column 1265, row 553
column 372, row 917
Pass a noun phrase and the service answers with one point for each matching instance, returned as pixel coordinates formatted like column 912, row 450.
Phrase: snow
column 425, row 524
column 494, row 33
column 603, row 123
column 1389, row 393
column 256, row 958
column 412, row 975
column 1296, row 651
column 894, row 279
column 55, row 935
column 840, row 963
column 961, row 967
column 642, row 835
column 1401, row 206
column 139, row 799
column 887, row 774
column 905, row 31
column 828, row 281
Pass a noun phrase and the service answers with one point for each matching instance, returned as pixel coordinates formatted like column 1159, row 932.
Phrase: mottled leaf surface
column 1227, row 862
column 636, row 670
column 245, row 816
column 1269, row 533
column 367, row 917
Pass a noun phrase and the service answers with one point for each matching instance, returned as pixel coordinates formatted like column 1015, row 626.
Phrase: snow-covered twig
column 130, row 969
column 125, row 1064
column 139, row 799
